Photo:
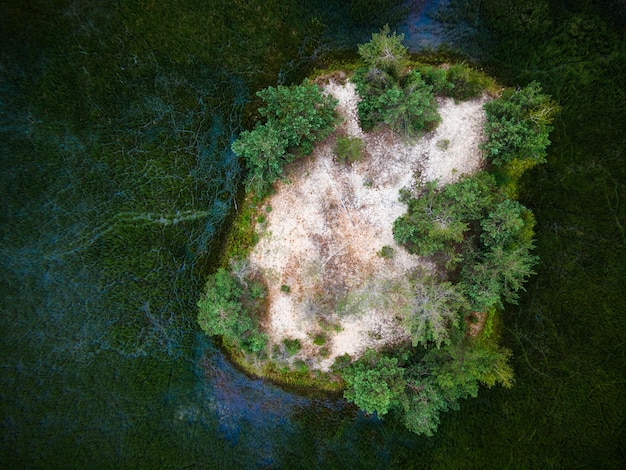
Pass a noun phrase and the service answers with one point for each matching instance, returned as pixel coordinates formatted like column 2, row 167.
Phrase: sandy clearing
column 329, row 222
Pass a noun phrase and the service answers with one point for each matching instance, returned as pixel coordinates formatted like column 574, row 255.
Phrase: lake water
column 116, row 178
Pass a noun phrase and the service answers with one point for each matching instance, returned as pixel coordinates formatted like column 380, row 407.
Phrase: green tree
column 434, row 310
column 437, row 219
column 504, row 223
column 295, row 118
column 374, row 383
column 518, row 125
column 227, row 309
column 385, row 52
column 460, row 368
column 500, row 275
column 423, row 403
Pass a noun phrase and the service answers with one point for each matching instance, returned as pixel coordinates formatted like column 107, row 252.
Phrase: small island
column 381, row 235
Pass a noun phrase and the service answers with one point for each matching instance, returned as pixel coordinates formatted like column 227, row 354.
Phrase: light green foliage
column 349, row 149
column 385, row 52
column 434, row 310
column 295, row 118
column 227, row 309
column 374, row 383
column 518, row 125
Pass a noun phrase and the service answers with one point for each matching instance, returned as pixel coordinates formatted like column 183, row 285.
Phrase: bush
column 466, row 82
column 349, row 149
column 518, row 125
column 292, row 346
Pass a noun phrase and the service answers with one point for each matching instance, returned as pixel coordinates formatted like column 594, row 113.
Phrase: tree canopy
column 295, row 118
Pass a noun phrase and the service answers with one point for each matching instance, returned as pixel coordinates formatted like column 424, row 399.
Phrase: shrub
column 319, row 339
column 466, row 82
column 292, row 346
column 518, row 125
column 349, row 149
column 387, row 252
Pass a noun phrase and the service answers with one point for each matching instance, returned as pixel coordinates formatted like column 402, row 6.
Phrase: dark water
column 116, row 178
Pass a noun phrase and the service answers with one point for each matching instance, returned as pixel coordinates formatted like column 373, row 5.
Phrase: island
column 380, row 236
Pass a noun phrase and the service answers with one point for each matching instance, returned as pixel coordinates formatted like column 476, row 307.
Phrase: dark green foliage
column 319, row 339
column 503, row 224
column 374, row 382
column 422, row 408
column 387, row 252
column 349, row 149
column 229, row 308
column 437, row 219
column 466, row 82
column 518, row 125
column 295, row 118
column 499, row 275
column 459, row 369
column 437, row 78
column 406, row 108
column 292, row 346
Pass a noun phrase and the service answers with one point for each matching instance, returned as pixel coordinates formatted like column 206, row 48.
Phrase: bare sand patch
column 329, row 222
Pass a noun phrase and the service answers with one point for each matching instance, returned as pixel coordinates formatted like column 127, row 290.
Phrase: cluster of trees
column 483, row 240
column 401, row 94
column 295, row 117
column 518, row 129
column 389, row 93
column 231, row 307
column 417, row 385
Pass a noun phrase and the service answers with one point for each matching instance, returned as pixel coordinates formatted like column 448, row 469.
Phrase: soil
column 329, row 221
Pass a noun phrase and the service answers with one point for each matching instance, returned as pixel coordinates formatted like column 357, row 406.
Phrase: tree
column 385, row 52
column 499, row 276
column 227, row 309
column 434, row 310
column 374, row 383
column 503, row 224
column 295, row 118
column 438, row 219
column 463, row 365
column 518, row 125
